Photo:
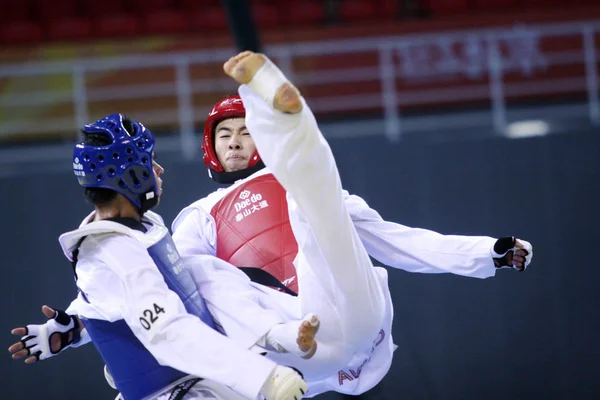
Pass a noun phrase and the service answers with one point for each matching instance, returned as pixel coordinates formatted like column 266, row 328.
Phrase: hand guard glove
column 506, row 248
column 57, row 334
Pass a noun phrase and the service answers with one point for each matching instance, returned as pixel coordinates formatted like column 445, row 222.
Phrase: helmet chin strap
column 231, row 177
column 148, row 200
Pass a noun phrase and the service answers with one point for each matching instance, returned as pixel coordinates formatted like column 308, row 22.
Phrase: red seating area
column 31, row 21
column 449, row 7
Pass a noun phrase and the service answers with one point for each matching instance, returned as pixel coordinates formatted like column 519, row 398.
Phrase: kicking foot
column 281, row 337
column 265, row 79
column 306, row 336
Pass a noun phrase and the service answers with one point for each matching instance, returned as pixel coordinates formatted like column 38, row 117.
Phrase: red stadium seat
column 358, row 10
column 161, row 16
column 116, row 25
column 443, row 7
column 57, row 9
column 96, row 9
column 189, row 5
column 166, row 22
column 540, row 4
column 62, row 20
column 209, row 19
column 302, row 13
column 17, row 25
column 16, row 10
column 493, row 5
column 75, row 28
column 149, row 6
column 111, row 18
column 20, row 32
column 266, row 15
column 388, row 9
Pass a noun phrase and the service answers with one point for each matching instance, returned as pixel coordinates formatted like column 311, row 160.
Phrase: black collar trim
column 231, row 177
column 131, row 223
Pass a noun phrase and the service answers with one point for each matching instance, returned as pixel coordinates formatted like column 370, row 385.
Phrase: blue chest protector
column 135, row 371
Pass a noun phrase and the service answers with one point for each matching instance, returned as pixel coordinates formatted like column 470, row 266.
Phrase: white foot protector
column 267, row 80
column 284, row 384
column 282, row 338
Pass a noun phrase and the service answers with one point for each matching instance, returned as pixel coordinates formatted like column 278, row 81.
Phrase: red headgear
column 229, row 107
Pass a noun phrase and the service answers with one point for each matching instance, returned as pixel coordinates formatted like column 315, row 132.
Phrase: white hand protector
column 284, row 384
column 506, row 248
column 57, row 334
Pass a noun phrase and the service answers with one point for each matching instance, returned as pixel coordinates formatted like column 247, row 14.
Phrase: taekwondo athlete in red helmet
column 219, row 166
column 300, row 242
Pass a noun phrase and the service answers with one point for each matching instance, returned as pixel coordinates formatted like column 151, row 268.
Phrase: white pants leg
column 335, row 275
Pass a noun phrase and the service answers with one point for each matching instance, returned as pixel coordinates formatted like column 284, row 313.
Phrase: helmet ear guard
column 123, row 164
column 228, row 107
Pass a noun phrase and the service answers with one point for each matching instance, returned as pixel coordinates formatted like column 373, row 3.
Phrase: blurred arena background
column 462, row 116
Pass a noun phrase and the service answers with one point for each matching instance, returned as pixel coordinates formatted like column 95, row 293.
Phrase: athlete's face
column 233, row 144
column 158, row 171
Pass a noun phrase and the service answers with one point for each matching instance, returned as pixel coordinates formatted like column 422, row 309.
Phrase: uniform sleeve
column 420, row 250
column 194, row 233
column 158, row 318
column 74, row 309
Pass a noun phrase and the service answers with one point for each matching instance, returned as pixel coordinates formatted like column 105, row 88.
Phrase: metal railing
column 386, row 74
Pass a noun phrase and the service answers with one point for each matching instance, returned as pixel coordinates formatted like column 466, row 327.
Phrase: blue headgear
column 124, row 165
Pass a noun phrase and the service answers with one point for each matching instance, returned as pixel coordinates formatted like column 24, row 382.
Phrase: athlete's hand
column 509, row 252
column 46, row 340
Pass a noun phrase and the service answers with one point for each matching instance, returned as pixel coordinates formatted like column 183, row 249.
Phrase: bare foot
column 244, row 67
column 287, row 99
column 306, row 336
column 280, row 338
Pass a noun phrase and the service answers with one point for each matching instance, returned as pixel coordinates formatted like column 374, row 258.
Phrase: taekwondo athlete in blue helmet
column 138, row 304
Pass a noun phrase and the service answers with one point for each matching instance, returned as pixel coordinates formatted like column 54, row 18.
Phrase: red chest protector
column 253, row 229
